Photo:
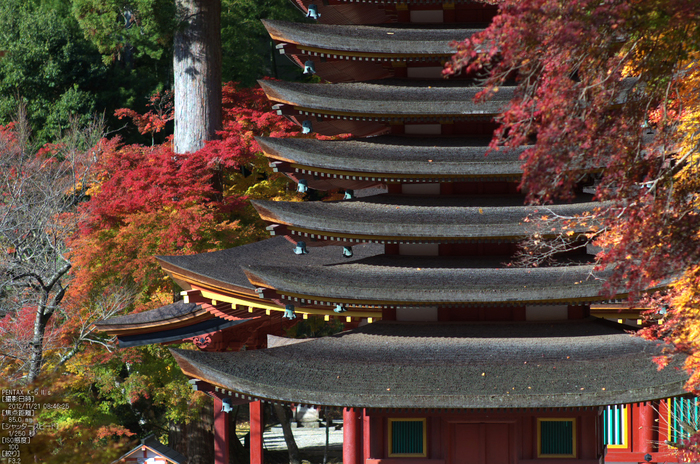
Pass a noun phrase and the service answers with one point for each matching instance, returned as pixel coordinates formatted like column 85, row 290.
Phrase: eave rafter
column 234, row 307
column 285, row 109
column 360, row 306
column 390, row 177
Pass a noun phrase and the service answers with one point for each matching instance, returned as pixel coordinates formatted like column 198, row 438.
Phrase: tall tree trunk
column 195, row 440
column 197, row 74
column 284, row 415
column 37, row 358
column 237, row 452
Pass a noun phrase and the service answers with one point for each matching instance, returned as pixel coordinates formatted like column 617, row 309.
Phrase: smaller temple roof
column 437, row 218
column 212, row 325
column 455, row 157
column 396, row 280
column 387, row 99
column 169, row 323
column 549, row 364
column 375, row 40
column 178, row 312
column 156, row 452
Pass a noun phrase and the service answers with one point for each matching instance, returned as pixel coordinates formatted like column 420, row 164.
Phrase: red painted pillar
column 646, row 428
column 220, row 432
column 351, row 425
column 366, row 443
column 256, row 432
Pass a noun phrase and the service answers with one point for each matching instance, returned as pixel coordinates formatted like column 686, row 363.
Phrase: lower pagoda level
column 496, row 393
column 504, row 383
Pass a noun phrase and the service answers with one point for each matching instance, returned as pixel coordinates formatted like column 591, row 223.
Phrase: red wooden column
column 256, row 432
column 366, row 443
column 645, row 437
column 220, row 432
column 352, row 452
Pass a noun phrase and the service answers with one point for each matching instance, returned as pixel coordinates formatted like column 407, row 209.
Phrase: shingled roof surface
column 399, row 98
column 429, row 217
column 406, row 280
column 456, row 365
column 223, row 267
column 174, row 311
column 368, row 39
column 399, row 155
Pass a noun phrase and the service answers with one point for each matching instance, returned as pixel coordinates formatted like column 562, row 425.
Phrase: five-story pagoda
column 457, row 356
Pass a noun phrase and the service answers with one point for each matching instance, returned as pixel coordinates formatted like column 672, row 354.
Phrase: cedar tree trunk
column 197, row 74
column 195, row 440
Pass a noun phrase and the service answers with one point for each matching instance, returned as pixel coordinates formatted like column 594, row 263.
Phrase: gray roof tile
column 368, row 39
column 430, row 280
column 397, row 155
column 174, row 311
column 428, row 217
column 223, row 267
column 456, row 365
column 400, row 98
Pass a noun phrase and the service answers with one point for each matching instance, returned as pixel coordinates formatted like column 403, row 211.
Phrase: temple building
column 451, row 354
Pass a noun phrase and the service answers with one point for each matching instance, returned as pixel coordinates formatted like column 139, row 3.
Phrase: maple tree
column 147, row 201
column 154, row 121
column 607, row 92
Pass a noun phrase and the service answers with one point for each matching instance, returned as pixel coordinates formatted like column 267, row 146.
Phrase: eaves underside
column 391, row 177
column 319, row 300
column 177, row 322
column 389, row 116
column 327, row 53
column 400, row 239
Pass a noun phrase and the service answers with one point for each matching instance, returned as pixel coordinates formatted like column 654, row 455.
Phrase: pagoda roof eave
column 385, row 101
column 394, row 156
column 465, row 365
column 404, row 281
column 178, row 271
column 404, row 218
column 371, row 40
column 175, row 334
column 178, row 314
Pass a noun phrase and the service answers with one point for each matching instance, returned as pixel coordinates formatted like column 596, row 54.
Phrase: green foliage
column 250, row 50
column 48, row 66
column 59, row 75
column 141, row 389
column 121, row 27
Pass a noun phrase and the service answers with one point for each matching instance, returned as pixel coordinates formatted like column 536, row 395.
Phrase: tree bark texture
column 195, row 440
column 197, row 74
column 51, row 296
column 237, row 452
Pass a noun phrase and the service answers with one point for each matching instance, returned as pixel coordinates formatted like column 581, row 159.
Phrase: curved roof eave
column 393, row 155
column 377, row 40
column 385, row 100
column 404, row 281
column 434, row 218
column 497, row 365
